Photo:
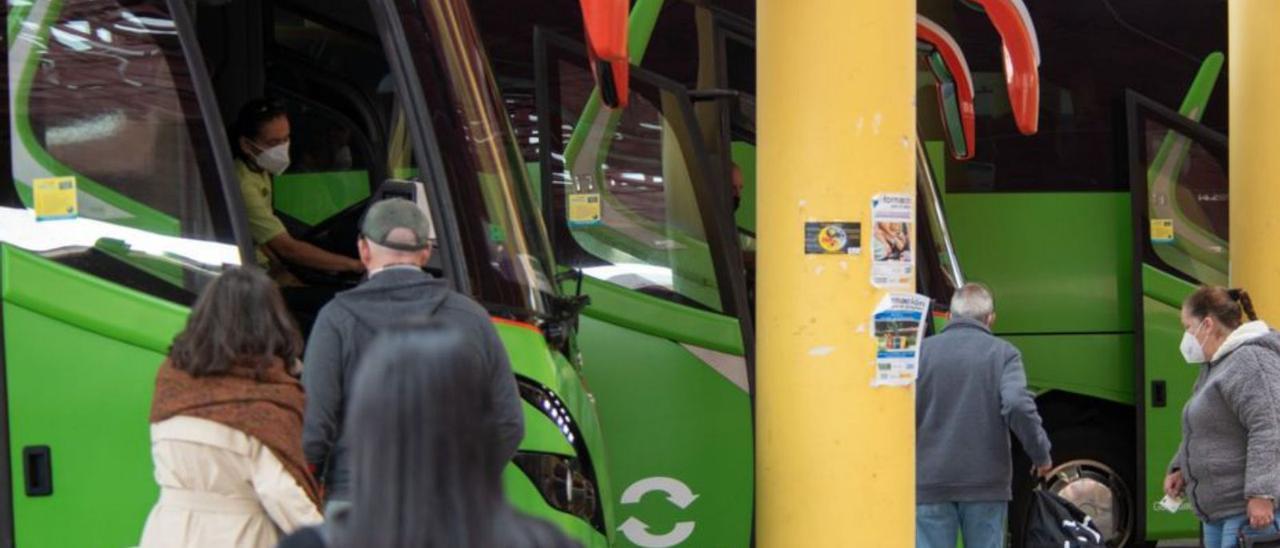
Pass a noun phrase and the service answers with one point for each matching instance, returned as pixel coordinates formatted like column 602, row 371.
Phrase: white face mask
column 274, row 159
column 1191, row 348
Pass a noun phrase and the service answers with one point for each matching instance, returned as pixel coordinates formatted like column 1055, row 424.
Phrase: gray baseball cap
column 385, row 216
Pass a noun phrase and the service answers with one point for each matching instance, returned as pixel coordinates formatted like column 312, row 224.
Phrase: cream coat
column 220, row 487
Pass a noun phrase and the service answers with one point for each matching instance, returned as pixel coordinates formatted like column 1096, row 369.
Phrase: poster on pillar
column 899, row 327
column 892, row 256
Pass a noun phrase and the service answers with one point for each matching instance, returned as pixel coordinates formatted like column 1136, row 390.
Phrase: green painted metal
column 71, row 297
column 1162, row 331
column 626, row 308
column 1163, row 287
column 1057, row 262
column 1100, row 366
column 670, row 415
column 314, row 197
column 65, row 359
column 87, row 397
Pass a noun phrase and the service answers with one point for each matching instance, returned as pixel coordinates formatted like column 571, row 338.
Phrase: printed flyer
column 892, row 256
column 899, row 327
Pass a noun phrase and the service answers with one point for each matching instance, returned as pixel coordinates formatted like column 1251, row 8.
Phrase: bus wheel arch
column 1095, row 464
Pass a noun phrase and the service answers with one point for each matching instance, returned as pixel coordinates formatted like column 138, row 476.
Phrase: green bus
column 1088, row 278
column 124, row 101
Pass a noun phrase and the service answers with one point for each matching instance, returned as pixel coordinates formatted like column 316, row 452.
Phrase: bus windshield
column 487, row 179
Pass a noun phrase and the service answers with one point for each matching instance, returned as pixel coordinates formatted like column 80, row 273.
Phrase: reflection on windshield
column 20, row 228
column 506, row 250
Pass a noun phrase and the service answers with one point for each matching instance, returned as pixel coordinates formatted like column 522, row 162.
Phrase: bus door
column 1178, row 179
column 109, row 103
column 635, row 209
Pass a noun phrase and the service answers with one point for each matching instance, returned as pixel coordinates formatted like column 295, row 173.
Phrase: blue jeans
column 1223, row 533
column 981, row 523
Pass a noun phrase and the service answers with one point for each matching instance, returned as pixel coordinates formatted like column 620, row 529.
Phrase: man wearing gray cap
column 394, row 246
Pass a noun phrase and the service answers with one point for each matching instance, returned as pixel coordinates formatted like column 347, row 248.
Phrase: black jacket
column 343, row 332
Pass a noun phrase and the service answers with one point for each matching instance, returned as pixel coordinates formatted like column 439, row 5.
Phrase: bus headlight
column 567, row 483
column 563, row 484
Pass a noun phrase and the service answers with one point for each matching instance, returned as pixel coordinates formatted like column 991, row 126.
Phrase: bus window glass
column 333, row 76
column 649, row 235
column 508, row 256
column 1186, row 204
column 330, row 165
column 101, row 92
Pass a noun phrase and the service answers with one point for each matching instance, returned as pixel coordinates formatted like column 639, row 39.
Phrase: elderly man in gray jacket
column 971, row 392
column 394, row 248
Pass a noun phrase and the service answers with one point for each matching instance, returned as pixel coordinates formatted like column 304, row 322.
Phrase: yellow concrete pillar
column 835, row 457
column 1253, row 52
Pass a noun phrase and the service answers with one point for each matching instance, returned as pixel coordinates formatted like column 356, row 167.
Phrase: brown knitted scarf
column 268, row 408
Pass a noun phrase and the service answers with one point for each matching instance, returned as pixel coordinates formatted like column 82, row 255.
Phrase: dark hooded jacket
column 343, row 331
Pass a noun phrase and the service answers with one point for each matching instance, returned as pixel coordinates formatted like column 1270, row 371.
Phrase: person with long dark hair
column 226, row 423
column 423, row 454
column 1228, row 463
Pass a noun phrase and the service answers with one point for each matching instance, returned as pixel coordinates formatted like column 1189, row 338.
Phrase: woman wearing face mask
column 1229, row 461
column 260, row 142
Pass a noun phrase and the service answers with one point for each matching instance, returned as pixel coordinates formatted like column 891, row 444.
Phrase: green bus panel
column 1057, row 262
column 87, row 397
column 668, row 414
column 80, row 362
column 1095, row 365
column 1162, row 331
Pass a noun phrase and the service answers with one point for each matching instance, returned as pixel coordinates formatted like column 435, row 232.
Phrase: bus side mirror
column 954, row 85
column 1021, row 50
column 605, row 25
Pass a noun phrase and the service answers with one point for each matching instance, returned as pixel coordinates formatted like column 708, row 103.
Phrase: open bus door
column 1178, row 178
column 634, row 207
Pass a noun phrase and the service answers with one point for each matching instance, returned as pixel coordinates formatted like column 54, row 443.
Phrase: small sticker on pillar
column 832, row 238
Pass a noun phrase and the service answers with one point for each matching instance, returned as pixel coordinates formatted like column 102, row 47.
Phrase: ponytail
column 1228, row 307
column 1242, row 298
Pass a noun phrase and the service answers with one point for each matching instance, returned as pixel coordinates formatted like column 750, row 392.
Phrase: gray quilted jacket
column 1230, row 447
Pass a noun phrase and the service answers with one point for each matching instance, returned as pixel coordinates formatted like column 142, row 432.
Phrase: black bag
column 1053, row 522
column 1268, row 540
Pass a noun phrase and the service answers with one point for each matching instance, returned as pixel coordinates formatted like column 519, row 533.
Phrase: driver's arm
column 268, row 231
column 301, row 253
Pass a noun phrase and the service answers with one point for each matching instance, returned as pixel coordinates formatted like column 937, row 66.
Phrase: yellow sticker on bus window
column 55, row 198
column 584, row 209
column 1161, row 231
